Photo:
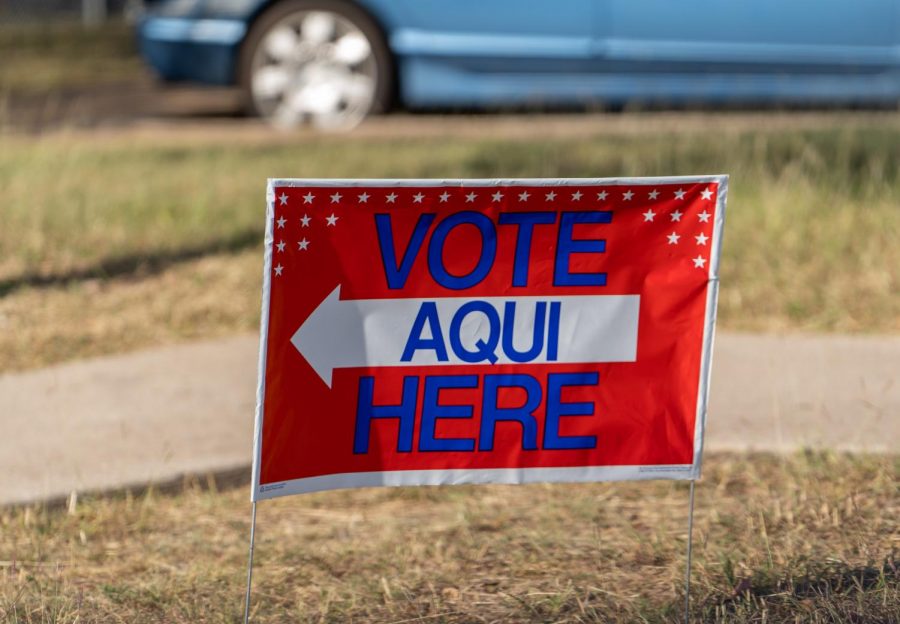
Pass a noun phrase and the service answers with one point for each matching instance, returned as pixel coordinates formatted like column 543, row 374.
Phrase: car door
column 751, row 37
column 500, row 34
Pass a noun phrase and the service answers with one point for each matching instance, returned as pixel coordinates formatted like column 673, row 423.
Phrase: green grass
column 50, row 56
column 812, row 239
column 807, row 538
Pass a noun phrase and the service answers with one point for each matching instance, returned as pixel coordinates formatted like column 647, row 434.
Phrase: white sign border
column 488, row 475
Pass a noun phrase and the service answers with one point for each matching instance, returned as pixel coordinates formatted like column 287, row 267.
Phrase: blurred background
column 135, row 143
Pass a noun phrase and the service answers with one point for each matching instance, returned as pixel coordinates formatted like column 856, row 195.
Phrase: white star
column 676, row 216
column 391, row 198
column 602, row 195
column 707, row 194
column 576, row 196
column 701, row 239
column 418, row 197
column 470, row 198
column 523, row 196
column 627, row 195
column 673, row 238
column 280, row 246
column 278, row 269
column 303, row 244
column 335, row 198
column 281, row 221
column 308, row 198
column 648, row 216
column 497, row 196
column 653, row 194
column 679, row 194
column 363, row 197
column 551, row 196
column 283, row 199
column 704, row 217
column 304, row 221
column 332, row 220
column 444, row 197
column 699, row 261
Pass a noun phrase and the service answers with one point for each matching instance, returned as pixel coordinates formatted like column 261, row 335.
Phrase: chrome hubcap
column 314, row 67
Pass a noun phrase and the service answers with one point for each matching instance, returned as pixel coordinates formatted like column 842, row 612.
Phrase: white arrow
column 374, row 332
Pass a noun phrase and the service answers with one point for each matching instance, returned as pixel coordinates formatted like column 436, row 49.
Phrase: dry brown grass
column 202, row 298
column 52, row 55
column 810, row 538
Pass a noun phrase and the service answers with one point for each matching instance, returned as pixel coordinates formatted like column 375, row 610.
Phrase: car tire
column 319, row 62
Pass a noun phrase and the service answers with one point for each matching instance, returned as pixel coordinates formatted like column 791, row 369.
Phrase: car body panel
column 502, row 52
column 810, row 34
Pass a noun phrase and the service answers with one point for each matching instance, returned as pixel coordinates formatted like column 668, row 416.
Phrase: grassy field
column 115, row 242
column 809, row 538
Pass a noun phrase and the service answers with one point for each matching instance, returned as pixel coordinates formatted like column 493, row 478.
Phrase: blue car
column 332, row 62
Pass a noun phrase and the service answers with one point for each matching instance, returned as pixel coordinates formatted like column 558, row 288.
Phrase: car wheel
column 318, row 62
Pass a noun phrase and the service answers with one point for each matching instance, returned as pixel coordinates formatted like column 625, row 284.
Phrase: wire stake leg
column 690, row 550
column 250, row 562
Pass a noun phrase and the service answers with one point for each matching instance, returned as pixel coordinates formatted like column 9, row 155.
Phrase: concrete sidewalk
column 132, row 419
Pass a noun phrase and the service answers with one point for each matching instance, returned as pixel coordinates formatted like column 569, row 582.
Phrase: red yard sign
column 485, row 331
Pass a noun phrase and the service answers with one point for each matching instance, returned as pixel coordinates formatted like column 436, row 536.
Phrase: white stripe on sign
column 464, row 330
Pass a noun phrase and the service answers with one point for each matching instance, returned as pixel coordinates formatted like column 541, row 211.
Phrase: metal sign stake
column 250, row 563
column 690, row 546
